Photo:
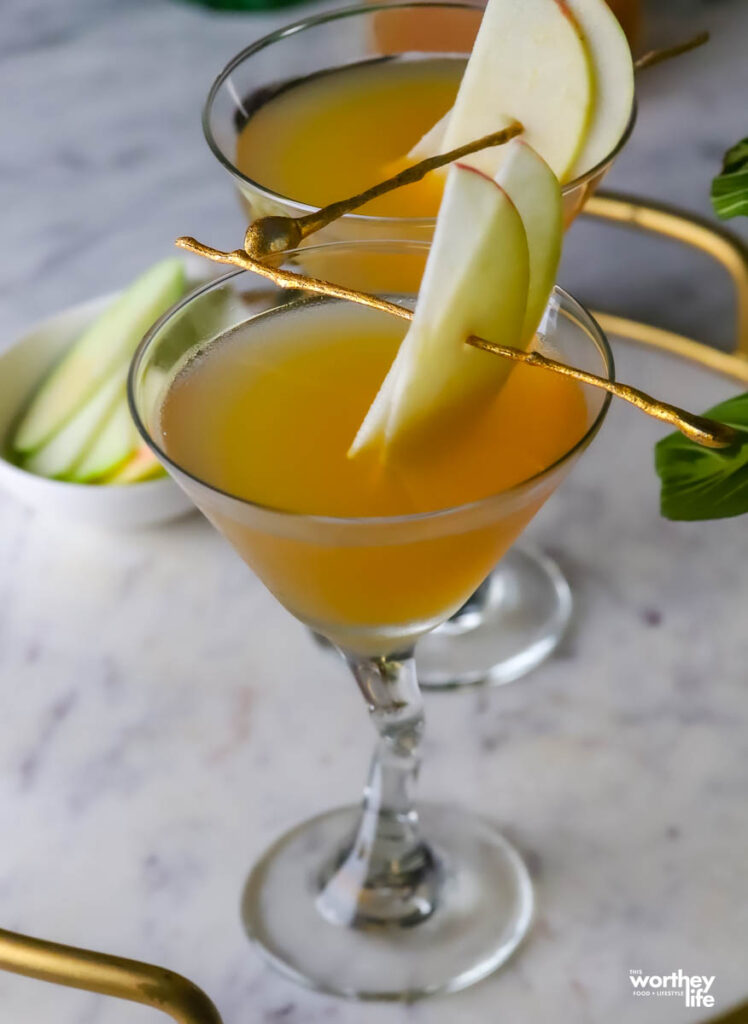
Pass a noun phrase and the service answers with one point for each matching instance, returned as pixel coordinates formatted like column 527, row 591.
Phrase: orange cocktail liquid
column 267, row 414
column 332, row 135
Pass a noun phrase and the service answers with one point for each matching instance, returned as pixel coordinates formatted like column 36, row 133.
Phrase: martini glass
column 390, row 898
column 520, row 614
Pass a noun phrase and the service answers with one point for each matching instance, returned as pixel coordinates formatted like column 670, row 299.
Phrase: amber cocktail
column 250, row 396
column 321, row 109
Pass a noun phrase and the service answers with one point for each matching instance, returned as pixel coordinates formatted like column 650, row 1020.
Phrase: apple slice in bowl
column 23, row 366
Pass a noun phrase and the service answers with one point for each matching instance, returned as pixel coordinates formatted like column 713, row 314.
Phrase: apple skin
column 142, row 465
column 612, row 97
column 68, row 445
column 475, row 282
column 613, row 72
column 108, row 342
column 113, row 445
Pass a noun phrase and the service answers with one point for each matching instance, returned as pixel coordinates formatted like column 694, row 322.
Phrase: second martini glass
column 390, row 899
column 519, row 615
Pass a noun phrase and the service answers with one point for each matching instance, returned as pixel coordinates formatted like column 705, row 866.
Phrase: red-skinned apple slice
column 528, row 62
column 475, row 282
column 612, row 95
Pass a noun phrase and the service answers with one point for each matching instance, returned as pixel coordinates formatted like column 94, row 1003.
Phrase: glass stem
column 385, row 874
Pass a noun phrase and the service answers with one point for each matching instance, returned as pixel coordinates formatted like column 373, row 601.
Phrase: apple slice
column 534, row 189
column 143, row 465
column 475, row 282
column 431, row 143
column 529, row 62
column 58, row 456
column 114, row 444
column 613, row 74
column 109, row 341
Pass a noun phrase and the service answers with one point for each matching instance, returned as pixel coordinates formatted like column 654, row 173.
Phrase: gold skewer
column 276, row 234
column 706, row 432
column 703, row 431
column 648, row 60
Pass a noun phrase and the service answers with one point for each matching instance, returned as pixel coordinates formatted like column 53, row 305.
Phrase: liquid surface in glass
column 333, row 134
column 268, row 414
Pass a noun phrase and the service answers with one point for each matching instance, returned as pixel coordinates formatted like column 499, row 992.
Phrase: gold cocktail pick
column 274, row 234
column 648, row 60
column 706, row 432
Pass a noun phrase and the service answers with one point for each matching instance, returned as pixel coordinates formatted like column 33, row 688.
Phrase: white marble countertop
column 163, row 719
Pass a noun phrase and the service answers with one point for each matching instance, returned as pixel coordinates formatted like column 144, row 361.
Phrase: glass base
column 512, row 624
column 483, row 910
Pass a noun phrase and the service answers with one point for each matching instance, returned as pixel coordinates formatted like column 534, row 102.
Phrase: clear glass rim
column 583, row 317
column 335, row 15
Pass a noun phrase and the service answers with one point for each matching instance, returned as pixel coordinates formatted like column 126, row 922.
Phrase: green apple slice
column 115, row 442
column 58, row 456
column 143, row 465
column 528, row 62
column 534, row 189
column 475, row 282
column 613, row 73
column 109, row 341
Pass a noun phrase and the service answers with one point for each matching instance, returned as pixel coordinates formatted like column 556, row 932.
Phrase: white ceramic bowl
column 22, row 367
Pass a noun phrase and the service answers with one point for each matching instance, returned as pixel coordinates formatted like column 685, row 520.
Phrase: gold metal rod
column 700, row 429
column 108, row 975
column 648, row 60
column 274, row 234
column 734, row 367
column 697, row 232
column 703, row 431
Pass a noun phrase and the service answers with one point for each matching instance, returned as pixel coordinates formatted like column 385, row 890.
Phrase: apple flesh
column 534, row 189
column 475, row 282
column 529, row 63
column 69, row 445
column 113, row 445
column 613, row 75
column 108, row 343
column 142, row 465
column 612, row 96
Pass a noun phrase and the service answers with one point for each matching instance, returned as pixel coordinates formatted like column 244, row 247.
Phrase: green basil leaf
column 705, row 483
column 730, row 188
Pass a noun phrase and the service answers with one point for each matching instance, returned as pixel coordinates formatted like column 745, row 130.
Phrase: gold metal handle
column 108, row 975
column 691, row 230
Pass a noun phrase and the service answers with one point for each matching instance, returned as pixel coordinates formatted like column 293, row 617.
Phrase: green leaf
column 705, row 483
column 730, row 188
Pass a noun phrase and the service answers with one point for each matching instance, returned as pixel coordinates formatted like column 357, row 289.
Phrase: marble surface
column 163, row 719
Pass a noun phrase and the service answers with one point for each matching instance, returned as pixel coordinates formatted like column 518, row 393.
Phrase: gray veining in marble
column 163, row 719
